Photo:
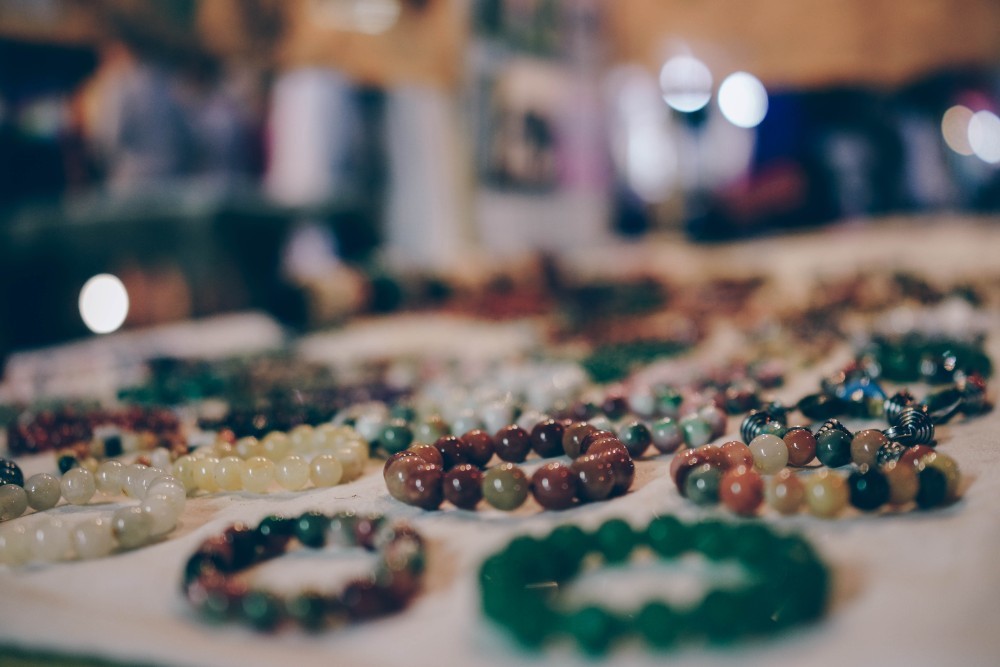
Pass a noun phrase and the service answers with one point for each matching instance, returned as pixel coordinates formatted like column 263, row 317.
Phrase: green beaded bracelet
column 786, row 584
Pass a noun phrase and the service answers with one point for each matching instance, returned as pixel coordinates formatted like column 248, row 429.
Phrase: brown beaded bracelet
column 452, row 468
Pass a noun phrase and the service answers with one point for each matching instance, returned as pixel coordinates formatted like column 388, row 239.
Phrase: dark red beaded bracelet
column 210, row 582
column 452, row 469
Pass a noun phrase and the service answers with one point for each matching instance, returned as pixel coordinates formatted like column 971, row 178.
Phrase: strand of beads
column 210, row 583
column 452, row 468
column 787, row 584
column 324, row 456
column 161, row 501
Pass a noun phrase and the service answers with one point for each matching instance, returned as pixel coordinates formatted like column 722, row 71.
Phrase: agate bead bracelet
column 786, row 584
column 210, row 580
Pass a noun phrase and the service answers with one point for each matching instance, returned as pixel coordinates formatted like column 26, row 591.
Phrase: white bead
column 109, row 477
column 276, row 445
column 770, row 453
column 292, row 473
column 15, row 545
column 352, row 457
column 160, row 458
column 78, row 486
column 161, row 513
column 50, row 541
column 134, row 480
column 229, row 473
column 184, row 471
column 302, row 438
column 204, row 474
column 326, row 470
column 43, row 491
column 258, row 473
column 248, row 447
column 13, row 501
column 131, row 526
column 370, row 424
column 93, row 538
column 172, row 491
column 130, row 442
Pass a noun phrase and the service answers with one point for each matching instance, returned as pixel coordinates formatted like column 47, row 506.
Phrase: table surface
column 916, row 588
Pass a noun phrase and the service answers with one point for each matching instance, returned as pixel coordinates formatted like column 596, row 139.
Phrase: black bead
column 310, row 529
column 113, row 446
column 933, row 488
column 10, row 473
column 869, row 490
column 66, row 463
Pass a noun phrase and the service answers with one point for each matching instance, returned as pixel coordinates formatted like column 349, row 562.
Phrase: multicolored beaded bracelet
column 100, row 432
column 209, row 580
column 451, row 469
column 787, row 584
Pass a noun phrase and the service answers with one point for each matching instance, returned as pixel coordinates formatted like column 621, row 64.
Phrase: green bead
column 615, row 539
column 308, row 610
column 668, row 537
column 668, row 401
column 833, row 448
column 774, row 427
column 532, row 623
column 697, row 431
column 310, row 529
column 217, row 606
column 261, row 610
column 395, row 436
column 593, row 628
column 636, row 437
column 658, row 624
column 719, row 615
column 505, row 487
column 403, row 411
column 568, row 545
column 274, row 526
column 702, row 485
column 713, row 538
column 752, row 542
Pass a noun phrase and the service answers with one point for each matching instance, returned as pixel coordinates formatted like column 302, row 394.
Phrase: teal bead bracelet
column 210, row 582
column 786, row 584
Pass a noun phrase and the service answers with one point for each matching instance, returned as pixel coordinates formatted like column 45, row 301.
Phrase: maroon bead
column 623, row 469
column 512, row 443
column 398, row 472
column 595, row 477
column 423, row 487
column 453, row 451
column 913, row 454
column 573, row 438
column 392, row 459
column 480, row 447
column 681, row 459
column 554, row 486
column 463, row 486
column 602, row 441
column 615, row 406
column 428, row 453
column 546, row 438
column 712, row 454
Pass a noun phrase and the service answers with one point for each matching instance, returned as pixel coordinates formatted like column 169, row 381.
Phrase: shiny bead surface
column 770, row 453
column 697, row 431
column 50, row 541
column 15, row 545
column 453, row 451
column 505, row 486
column 161, row 514
column 429, row 453
column 10, row 473
column 667, row 435
column 292, row 473
column 43, row 491
column 78, row 486
column 422, row 486
column 636, row 437
column 801, row 445
column 741, row 490
column 784, row 492
column 204, row 474
column 479, row 447
column 622, row 467
column 276, row 445
column 734, row 454
column 229, row 473
column 865, row 446
column 702, row 484
column 325, row 470
column 826, row 494
column 131, row 526
column 257, row 474
column 573, row 438
column 546, row 438
column 869, row 490
column 108, row 477
column 395, row 436
column 512, row 443
column 595, row 477
column 554, row 486
column 463, row 486
column 13, row 501
column 93, row 538
column 352, row 456
column 833, row 448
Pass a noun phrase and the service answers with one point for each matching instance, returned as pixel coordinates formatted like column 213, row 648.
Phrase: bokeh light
column 103, row 303
column 955, row 129
column 686, row 83
column 984, row 136
column 743, row 99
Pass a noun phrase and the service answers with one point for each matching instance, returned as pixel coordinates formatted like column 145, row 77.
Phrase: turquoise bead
column 702, row 484
column 616, row 539
column 697, row 431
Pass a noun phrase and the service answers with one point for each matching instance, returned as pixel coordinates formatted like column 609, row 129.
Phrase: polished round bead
column 50, row 541
column 554, row 486
column 505, row 486
column 78, row 486
column 325, row 470
column 734, row 454
column 903, row 482
column 869, row 490
column 257, row 474
column 948, row 467
column 453, row 451
column 292, row 473
column 131, row 526
column 463, row 486
column 301, row 438
column 248, row 447
column 702, row 484
column 109, row 477
column 636, row 437
column 160, row 458
column 512, row 443
column 162, row 517
column 15, row 544
column 546, row 438
column 135, row 480
column 184, row 468
column 428, row 453
column 741, row 489
column 801, row 445
column 682, row 463
column 92, row 538
column 229, row 473
column 573, row 438
column 667, row 435
column 395, row 436
column 173, row 493
column 423, row 486
column 715, row 418
column 276, row 445
column 770, row 453
column 826, row 494
column 479, row 447
column 595, row 477
column 913, row 455
column 622, row 467
column 933, row 490
column 353, row 455
column 10, row 473
column 833, row 448
column 697, row 431
column 397, row 470
column 43, row 491
column 13, row 501
column 784, row 492
column 865, row 446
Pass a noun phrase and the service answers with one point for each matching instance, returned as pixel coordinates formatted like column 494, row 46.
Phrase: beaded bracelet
column 338, row 454
column 787, row 584
column 451, row 469
column 209, row 578
column 161, row 501
column 143, row 428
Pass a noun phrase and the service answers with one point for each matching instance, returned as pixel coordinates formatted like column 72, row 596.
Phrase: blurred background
column 317, row 159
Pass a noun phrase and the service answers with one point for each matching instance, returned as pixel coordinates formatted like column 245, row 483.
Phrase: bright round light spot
column 955, row 129
column 743, row 99
column 103, row 303
column 686, row 83
column 984, row 136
